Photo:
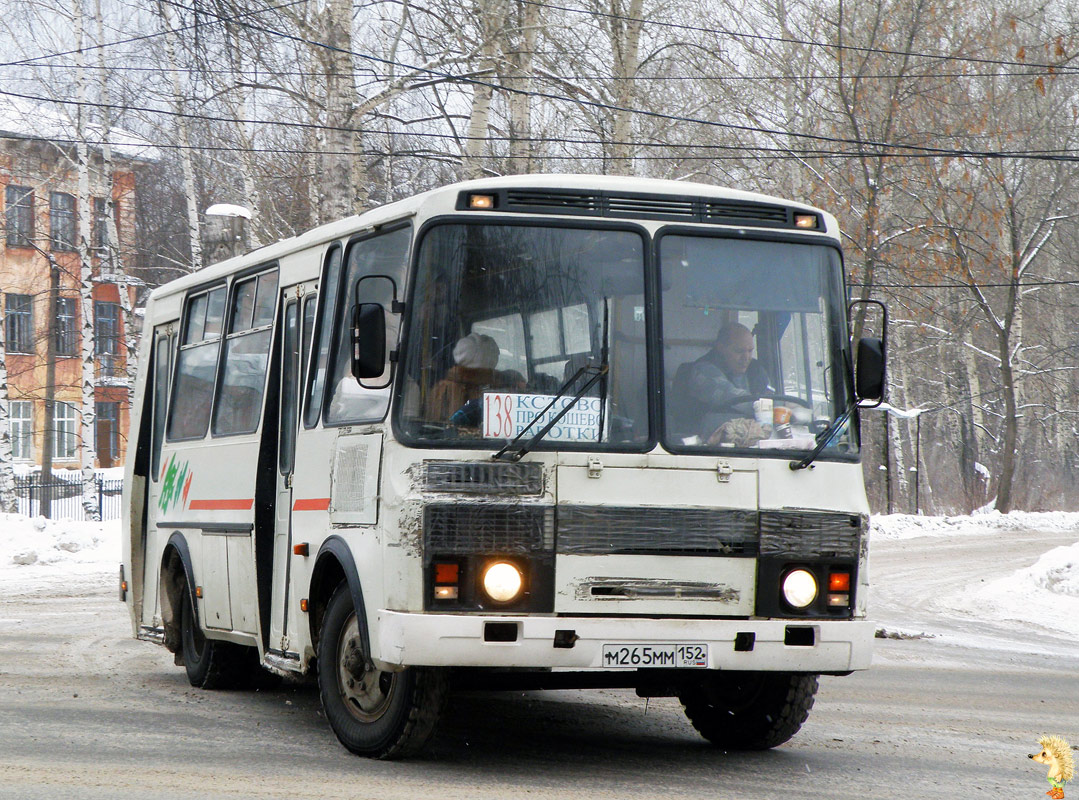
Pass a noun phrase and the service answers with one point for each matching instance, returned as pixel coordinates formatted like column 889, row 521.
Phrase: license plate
column 655, row 655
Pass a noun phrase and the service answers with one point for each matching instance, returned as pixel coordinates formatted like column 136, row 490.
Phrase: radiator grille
column 483, row 478
column 476, row 527
column 811, row 534
column 595, row 530
column 462, row 528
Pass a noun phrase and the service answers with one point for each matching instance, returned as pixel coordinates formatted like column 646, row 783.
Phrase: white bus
column 483, row 437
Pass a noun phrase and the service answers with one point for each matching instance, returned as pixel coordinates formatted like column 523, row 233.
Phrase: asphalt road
column 88, row 712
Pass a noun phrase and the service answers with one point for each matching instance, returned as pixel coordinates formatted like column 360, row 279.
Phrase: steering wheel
column 789, row 398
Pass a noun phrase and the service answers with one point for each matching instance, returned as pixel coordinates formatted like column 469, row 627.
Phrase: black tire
column 210, row 663
column 373, row 713
column 749, row 710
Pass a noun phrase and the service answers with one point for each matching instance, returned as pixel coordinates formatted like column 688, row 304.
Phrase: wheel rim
column 365, row 690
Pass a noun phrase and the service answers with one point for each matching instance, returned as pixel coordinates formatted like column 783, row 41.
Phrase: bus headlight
column 799, row 588
column 502, row 581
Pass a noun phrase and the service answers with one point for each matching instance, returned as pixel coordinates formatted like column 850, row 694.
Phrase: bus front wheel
column 749, row 710
column 373, row 713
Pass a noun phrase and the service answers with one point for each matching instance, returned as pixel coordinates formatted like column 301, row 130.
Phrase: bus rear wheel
column 373, row 713
column 210, row 663
column 749, row 710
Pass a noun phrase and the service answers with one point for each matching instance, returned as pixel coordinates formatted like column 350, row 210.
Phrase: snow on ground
column 38, row 554
column 1044, row 596
column 990, row 523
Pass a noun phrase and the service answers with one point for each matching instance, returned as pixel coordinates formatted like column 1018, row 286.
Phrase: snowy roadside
column 990, row 523
column 983, row 579
column 39, row 556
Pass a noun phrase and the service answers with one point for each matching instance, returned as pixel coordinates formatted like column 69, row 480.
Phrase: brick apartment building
column 39, row 192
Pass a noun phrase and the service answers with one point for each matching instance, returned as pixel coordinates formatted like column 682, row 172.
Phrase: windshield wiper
column 598, row 371
column 824, row 438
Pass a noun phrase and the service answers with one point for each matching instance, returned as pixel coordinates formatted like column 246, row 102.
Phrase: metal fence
column 65, row 496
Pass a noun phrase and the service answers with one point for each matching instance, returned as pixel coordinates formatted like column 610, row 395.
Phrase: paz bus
column 466, row 439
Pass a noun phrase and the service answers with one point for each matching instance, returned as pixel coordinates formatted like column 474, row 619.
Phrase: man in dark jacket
column 722, row 384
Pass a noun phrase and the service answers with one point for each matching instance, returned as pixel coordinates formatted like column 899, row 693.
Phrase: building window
column 67, row 334
column 19, row 323
column 62, row 220
column 64, row 442
column 107, row 433
column 21, row 426
column 19, row 215
column 106, row 328
column 99, row 225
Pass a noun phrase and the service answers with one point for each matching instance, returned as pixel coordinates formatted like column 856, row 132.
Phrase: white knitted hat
column 476, row 350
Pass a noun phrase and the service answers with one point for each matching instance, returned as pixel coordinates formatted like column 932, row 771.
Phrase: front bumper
column 457, row 640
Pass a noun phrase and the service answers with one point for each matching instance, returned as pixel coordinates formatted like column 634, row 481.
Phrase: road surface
column 88, row 712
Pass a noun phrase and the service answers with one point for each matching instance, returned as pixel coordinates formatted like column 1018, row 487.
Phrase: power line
column 880, row 146
column 785, row 40
column 1016, row 284
column 269, row 71
column 1065, row 155
column 145, row 37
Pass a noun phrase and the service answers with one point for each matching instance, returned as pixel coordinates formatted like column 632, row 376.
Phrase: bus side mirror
column 870, row 359
column 368, row 340
column 375, row 323
column 869, row 372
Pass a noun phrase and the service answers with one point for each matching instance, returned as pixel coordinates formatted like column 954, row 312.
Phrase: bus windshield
column 754, row 344
column 507, row 317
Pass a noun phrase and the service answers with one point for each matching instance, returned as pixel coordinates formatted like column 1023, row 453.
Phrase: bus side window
column 290, row 365
column 247, row 353
column 162, row 370
column 384, row 254
column 310, row 304
column 316, row 380
column 192, row 391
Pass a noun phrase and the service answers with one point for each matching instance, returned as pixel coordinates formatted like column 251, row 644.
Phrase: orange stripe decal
column 221, row 505
column 312, row 504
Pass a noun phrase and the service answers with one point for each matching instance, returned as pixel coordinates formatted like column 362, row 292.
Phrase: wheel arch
column 333, row 564
column 176, row 573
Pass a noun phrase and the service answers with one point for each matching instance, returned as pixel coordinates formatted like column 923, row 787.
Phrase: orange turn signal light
column 805, row 220
column 839, row 582
column 123, row 586
column 447, row 573
column 301, row 549
column 198, row 591
column 303, row 604
column 481, row 201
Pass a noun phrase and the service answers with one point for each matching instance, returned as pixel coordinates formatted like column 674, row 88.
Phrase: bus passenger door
column 295, row 335
column 153, row 538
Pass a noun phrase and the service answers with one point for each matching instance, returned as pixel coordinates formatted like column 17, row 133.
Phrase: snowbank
column 1044, row 596
column 36, row 550
column 908, row 526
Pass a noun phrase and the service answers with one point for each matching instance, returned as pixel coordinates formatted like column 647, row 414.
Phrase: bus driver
column 722, row 384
